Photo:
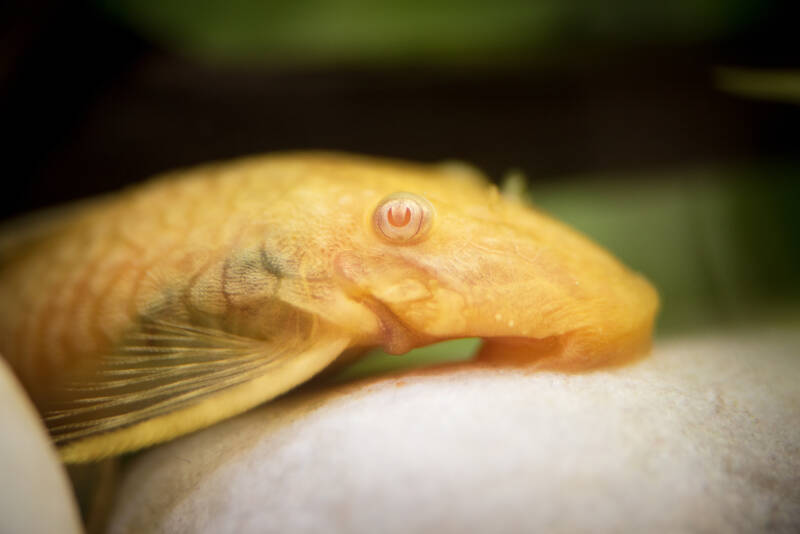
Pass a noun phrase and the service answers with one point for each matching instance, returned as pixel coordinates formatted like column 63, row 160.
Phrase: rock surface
column 702, row 436
column 35, row 495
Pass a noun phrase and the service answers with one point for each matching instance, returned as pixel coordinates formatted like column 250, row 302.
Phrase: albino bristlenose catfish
column 193, row 297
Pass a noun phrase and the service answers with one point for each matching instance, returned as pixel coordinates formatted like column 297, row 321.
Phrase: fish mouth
column 574, row 351
column 512, row 350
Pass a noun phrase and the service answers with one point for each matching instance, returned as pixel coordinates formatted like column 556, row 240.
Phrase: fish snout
column 581, row 331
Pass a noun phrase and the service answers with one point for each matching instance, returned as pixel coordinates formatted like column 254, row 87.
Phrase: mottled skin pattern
column 188, row 284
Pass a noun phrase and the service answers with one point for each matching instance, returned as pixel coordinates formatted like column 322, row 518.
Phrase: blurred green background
column 433, row 32
column 668, row 132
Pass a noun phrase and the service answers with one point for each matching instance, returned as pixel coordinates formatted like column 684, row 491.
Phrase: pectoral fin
column 169, row 379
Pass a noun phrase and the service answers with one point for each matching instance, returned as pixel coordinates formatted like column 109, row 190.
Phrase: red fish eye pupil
column 398, row 219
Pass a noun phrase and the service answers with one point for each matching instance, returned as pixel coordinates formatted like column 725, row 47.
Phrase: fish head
column 442, row 255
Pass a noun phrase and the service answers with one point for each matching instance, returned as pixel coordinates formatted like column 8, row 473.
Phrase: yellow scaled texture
column 201, row 293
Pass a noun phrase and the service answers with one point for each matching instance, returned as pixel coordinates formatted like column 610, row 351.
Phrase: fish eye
column 403, row 217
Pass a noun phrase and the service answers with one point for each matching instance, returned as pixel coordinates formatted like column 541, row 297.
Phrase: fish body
column 201, row 293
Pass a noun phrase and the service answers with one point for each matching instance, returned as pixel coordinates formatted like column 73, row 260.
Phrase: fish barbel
column 195, row 296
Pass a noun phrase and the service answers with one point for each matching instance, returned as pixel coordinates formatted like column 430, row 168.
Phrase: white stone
column 702, row 436
column 35, row 495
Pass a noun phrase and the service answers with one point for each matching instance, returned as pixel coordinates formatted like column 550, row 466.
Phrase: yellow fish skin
column 202, row 293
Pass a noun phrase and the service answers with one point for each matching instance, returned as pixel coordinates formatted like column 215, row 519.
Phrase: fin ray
column 165, row 367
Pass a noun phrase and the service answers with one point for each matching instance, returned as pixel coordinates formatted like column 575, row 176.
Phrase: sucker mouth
column 517, row 350
column 573, row 351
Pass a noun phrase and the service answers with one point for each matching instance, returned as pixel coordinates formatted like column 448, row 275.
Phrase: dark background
column 89, row 103
column 618, row 101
